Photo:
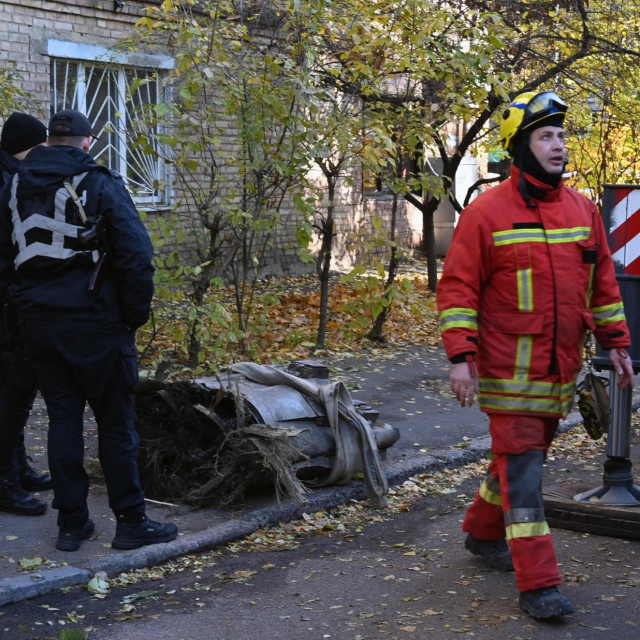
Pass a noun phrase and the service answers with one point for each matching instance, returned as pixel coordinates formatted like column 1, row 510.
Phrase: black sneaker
column 495, row 553
column 545, row 603
column 131, row 535
column 69, row 538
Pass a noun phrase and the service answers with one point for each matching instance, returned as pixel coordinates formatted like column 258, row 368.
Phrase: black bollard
column 617, row 487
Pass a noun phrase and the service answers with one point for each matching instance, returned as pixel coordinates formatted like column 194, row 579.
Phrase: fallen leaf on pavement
column 27, row 564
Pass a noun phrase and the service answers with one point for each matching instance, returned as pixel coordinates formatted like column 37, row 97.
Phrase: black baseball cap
column 70, row 122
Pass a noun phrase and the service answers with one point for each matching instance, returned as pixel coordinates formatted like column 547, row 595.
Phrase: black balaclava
column 523, row 158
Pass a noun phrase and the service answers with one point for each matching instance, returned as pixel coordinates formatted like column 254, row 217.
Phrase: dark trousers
column 79, row 362
column 17, row 393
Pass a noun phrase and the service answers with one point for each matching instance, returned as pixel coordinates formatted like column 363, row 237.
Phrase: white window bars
column 113, row 97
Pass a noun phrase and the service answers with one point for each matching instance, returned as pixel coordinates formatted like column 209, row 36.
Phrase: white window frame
column 116, row 68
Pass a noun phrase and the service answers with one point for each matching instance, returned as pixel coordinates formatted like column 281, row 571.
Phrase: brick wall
column 26, row 28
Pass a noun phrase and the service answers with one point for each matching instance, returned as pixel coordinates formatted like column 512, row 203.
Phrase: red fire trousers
column 509, row 502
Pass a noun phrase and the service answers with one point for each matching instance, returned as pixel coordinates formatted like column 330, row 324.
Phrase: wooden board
column 564, row 512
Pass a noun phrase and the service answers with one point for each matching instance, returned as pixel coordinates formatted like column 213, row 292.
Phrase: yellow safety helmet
column 529, row 109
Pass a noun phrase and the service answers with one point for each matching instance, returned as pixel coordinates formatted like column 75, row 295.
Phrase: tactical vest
column 47, row 225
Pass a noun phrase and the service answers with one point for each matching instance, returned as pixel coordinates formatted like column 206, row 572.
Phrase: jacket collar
column 536, row 189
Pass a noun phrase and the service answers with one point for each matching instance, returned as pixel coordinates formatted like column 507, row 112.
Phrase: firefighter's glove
column 593, row 403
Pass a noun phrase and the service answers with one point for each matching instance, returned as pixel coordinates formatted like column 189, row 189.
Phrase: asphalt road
column 410, row 388
column 396, row 574
column 365, row 574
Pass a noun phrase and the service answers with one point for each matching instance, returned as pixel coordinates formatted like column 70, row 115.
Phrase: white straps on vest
column 54, row 222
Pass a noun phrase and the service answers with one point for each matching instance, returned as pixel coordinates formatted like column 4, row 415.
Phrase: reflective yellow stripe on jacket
column 525, row 342
column 524, row 395
column 459, row 317
column 552, row 236
column 608, row 313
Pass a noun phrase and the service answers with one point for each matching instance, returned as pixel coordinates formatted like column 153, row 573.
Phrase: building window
column 112, row 96
column 380, row 183
column 374, row 184
column 377, row 183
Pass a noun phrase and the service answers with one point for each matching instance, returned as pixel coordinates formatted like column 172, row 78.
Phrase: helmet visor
column 544, row 104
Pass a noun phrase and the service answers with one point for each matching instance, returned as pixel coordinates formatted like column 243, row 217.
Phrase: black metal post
column 617, row 487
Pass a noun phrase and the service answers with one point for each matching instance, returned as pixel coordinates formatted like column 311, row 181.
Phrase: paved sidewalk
column 409, row 389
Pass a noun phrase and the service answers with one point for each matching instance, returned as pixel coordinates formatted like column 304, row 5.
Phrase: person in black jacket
column 21, row 133
column 77, row 263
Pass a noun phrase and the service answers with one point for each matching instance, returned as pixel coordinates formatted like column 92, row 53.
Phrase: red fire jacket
column 520, row 287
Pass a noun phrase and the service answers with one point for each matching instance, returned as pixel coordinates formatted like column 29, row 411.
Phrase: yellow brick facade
column 27, row 30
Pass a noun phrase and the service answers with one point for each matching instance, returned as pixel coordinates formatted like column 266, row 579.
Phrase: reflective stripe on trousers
column 509, row 504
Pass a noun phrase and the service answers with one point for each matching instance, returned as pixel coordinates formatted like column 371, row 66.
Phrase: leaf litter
column 573, row 446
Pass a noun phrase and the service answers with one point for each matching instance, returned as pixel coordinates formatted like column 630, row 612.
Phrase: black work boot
column 32, row 480
column 495, row 553
column 69, row 537
column 14, row 499
column 137, row 532
column 545, row 603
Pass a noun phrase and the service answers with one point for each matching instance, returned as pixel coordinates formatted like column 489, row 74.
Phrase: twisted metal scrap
column 356, row 448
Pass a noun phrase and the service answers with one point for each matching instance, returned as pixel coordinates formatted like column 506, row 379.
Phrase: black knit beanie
column 21, row 132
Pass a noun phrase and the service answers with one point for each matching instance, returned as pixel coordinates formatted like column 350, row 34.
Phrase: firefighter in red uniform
column 527, row 273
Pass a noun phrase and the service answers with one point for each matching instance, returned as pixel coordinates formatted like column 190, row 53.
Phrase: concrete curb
column 39, row 583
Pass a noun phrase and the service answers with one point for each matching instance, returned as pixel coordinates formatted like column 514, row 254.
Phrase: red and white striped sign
column 624, row 229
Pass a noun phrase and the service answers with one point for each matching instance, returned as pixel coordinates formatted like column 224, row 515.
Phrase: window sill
column 153, row 208
column 379, row 196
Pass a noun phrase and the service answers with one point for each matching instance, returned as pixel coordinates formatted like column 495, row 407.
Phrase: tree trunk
column 200, row 287
column 323, row 262
column 376, row 330
column 429, row 244
column 197, row 299
column 427, row 207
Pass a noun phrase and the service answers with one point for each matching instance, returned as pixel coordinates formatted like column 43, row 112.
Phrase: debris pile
column 212, row 441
